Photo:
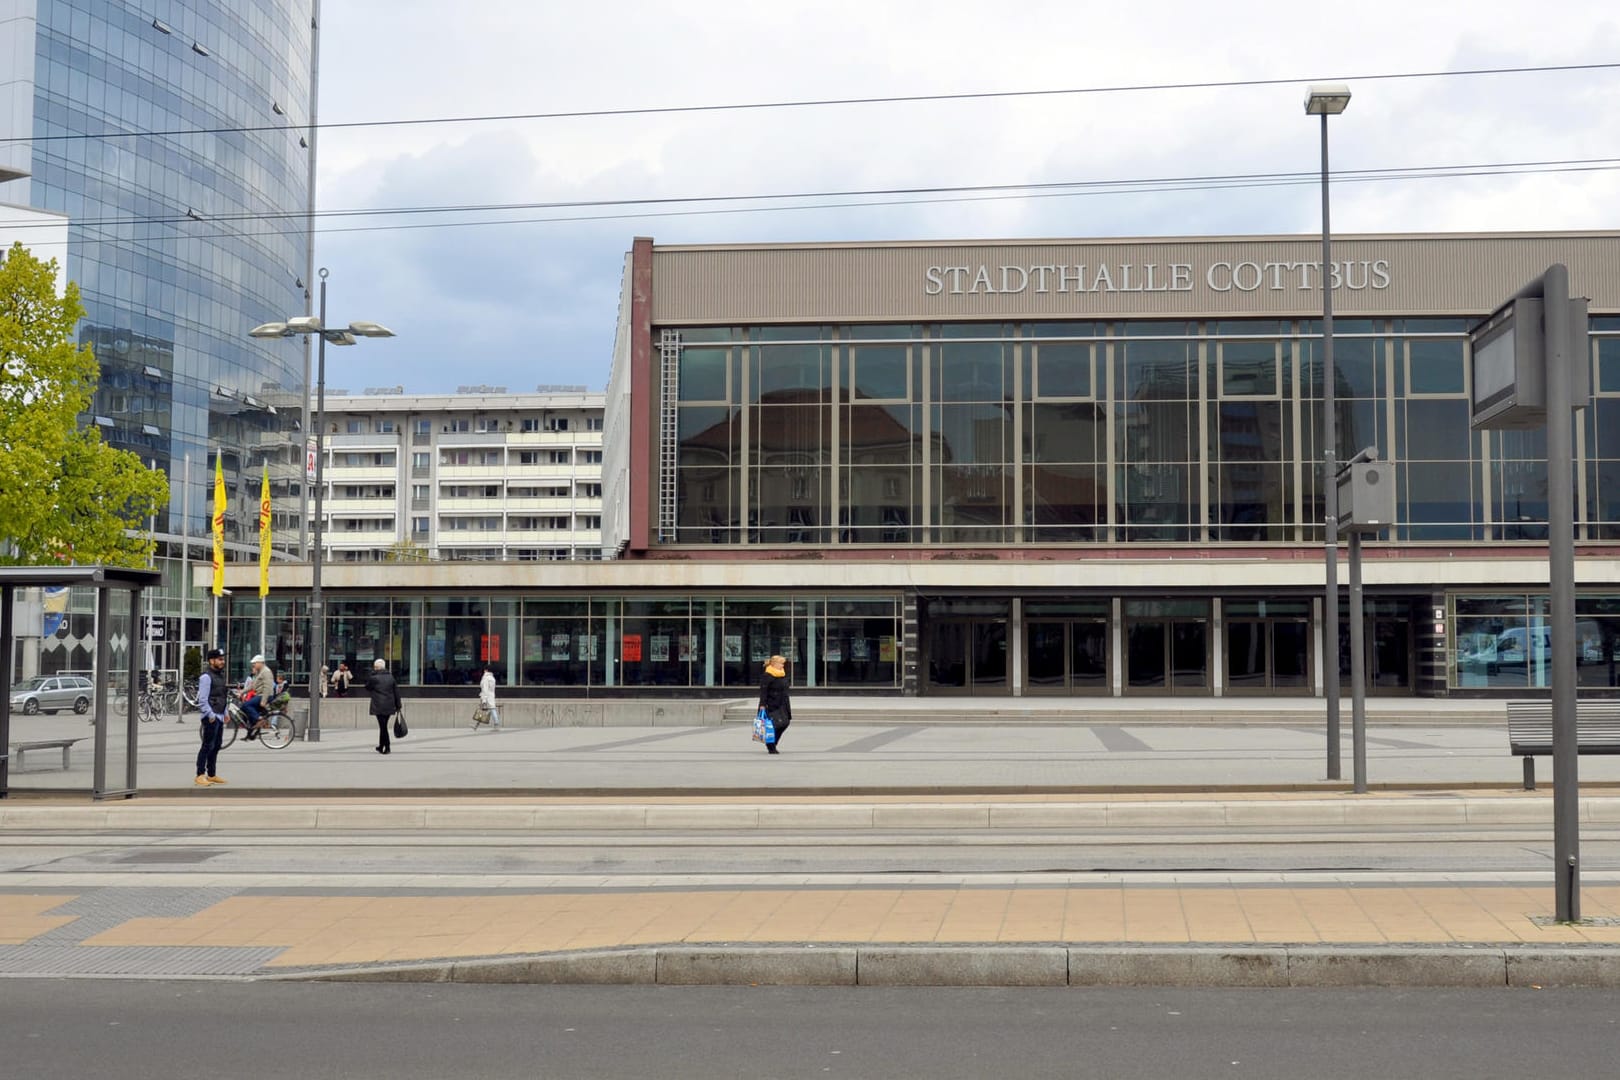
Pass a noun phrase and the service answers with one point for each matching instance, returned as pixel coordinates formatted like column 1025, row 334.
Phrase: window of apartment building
column 560, row 457
column 488, row 423
column 557, row 423
column 355, row 427
column 421, row 492
column 384, row 460
column 457, row 426
column 469, row 457
column 591, row 457
column 421, row 461
column 424, row 427
column 528, row 457
column 590, row 491
column 531, row 424
column 385, row 427
column 419, row 525
column 590, row 521
column 593, row 423
column 367, row 491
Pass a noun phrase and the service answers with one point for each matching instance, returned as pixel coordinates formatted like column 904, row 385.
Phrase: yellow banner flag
column 264, row 534
column 219, row 525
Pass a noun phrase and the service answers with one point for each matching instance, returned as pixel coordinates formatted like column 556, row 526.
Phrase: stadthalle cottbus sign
column 1125, row 277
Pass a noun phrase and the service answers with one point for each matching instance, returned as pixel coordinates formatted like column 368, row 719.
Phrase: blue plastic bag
column 764, row 729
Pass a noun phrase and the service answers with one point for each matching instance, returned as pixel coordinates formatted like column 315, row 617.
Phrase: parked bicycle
column 274, row 730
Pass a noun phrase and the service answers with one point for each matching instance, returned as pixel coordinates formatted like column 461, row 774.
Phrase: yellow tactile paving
column 23, row 916
column 355, row 930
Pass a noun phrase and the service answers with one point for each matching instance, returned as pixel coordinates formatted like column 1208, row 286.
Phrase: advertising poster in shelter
column 685, row 648
column 587, row 646
column 886, row 649
column 659, row 647
column 630, row 648
column 733, row 648
column 560, row 647
column 534, row 648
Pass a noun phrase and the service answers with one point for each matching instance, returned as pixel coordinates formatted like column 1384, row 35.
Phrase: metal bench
column 65, row 745
column 1597, row 731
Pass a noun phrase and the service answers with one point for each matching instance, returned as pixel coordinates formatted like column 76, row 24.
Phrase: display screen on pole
column 1508, row 372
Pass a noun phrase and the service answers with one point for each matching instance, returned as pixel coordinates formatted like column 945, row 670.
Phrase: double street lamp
column 1324, row 100
column 348, row 335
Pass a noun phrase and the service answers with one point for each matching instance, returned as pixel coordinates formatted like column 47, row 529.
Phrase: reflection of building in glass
column 182, row 241
column 179, row 150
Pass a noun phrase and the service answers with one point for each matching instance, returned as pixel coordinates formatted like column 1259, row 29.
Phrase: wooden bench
column 65, row 745
column 1597, row 731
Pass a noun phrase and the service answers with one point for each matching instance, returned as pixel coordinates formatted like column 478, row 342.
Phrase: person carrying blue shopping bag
column 773, row 701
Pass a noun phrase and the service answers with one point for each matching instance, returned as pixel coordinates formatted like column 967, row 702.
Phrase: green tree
column 65, row 496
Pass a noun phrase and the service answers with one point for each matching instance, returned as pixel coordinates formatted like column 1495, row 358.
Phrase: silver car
column 52, row 693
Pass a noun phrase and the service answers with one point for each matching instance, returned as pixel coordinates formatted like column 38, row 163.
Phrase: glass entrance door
column 1267, row 646
column 1167, row 647
column 967, row 656
column 1066, row 656
column 1388, row 647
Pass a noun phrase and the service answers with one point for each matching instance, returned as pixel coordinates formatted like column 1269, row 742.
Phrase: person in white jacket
column 486, row 699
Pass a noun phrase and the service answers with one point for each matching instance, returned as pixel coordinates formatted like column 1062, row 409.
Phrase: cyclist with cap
column 259, row 688
column 212, row 694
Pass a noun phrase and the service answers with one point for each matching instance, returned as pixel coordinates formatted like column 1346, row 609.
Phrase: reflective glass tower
column 175, row 136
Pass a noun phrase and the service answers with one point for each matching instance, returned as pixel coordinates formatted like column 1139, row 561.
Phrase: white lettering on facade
column 1023, row 279
column 1245, row 276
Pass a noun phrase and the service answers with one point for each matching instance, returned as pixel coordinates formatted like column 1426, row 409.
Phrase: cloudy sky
column 522, row 296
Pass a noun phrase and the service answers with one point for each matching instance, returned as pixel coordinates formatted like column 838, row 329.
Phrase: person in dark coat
column 384, row 702
column 773, row 698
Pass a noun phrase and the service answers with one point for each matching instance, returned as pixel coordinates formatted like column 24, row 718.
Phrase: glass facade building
column 1070, row 468
column 172, row 135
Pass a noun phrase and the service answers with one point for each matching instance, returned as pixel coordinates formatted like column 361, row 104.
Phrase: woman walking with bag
column 488, row 711
column 773, row 698
column 384, row 702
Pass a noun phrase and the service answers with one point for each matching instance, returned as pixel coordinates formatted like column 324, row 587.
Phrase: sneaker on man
column 202, row 781
column 217, row 780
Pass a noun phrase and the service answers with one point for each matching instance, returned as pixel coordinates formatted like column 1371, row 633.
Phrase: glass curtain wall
column 1094, row 432
column 586, row 641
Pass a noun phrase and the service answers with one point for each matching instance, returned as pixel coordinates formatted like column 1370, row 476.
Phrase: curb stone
column 1022, row 965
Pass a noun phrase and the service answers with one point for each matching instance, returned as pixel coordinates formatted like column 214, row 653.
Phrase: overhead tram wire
column 856, row 200
column 1041, row 189
column 892, row 99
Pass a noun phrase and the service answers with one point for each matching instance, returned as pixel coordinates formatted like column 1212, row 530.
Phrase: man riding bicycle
column 258, row 691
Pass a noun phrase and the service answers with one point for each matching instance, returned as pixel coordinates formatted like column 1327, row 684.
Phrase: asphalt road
column 163, row 1031
column 1429, row 849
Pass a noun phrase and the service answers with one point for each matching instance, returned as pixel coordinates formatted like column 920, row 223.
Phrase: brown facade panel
column 1214, row 277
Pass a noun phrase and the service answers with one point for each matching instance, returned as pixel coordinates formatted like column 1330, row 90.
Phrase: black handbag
column 400, row 730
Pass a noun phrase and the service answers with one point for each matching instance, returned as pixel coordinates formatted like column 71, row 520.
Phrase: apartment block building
column 479, row 475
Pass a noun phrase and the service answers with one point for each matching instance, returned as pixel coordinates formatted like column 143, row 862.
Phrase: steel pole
column 1330, row 493
column 1561, row 572
column 317, row 610
column 185, row 583
column 1358, row 672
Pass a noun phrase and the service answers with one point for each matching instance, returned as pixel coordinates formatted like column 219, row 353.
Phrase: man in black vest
column 211, row 699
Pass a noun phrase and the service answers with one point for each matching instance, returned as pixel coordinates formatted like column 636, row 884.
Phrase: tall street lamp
column 1324, row 100
column 348, row 335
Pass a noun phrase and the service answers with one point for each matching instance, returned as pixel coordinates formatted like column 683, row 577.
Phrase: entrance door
column 1167, row 647
column 967, row 656
column 1267, row 655
column 1066, row 656
column 1388, row 648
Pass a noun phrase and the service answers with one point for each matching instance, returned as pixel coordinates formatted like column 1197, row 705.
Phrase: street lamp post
column 305, row 324
column 1324, row 100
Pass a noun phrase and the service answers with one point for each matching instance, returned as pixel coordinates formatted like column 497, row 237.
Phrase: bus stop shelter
column 106, row 581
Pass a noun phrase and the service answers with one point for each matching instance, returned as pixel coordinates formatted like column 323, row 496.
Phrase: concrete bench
column 1597, row 731
column 65, row 745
